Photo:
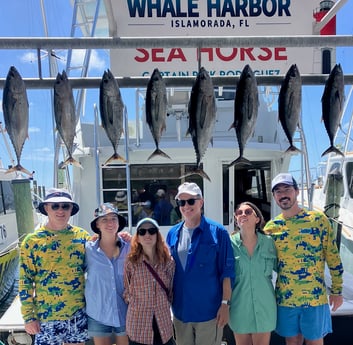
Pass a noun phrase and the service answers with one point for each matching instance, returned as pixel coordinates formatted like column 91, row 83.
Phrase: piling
column 23, row 204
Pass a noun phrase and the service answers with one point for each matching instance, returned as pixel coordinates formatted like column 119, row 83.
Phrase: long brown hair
column 259, row 225
column 136, row 250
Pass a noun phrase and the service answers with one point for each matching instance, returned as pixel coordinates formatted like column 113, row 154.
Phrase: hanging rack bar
column 138, row 82
column 176, row 41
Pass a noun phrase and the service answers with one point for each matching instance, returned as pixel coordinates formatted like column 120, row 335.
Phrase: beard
column 285, row 203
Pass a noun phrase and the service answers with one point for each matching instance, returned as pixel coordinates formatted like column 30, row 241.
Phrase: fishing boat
column 8, row 236
column 132, row 184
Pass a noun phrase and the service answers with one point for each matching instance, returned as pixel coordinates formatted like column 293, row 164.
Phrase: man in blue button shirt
column 204, row 272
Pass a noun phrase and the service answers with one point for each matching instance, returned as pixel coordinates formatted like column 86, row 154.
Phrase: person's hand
column 335, row 301
column 125, row 235
column 32, row 327
column 94, row 237
column 222, row 315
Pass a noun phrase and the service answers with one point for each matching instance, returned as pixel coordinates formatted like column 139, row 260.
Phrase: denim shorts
column 98, row 329
column 73, row 331
column 312, row 322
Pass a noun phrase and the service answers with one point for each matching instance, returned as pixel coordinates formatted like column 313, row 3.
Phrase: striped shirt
column 304, row 244
column 146, row 298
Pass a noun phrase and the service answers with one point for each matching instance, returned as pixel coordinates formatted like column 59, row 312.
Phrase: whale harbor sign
column 165, row 18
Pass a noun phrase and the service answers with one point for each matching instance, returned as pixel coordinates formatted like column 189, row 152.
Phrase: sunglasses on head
column 151, row 231
column 183, row 202
column 247, row 212
column 65, row 207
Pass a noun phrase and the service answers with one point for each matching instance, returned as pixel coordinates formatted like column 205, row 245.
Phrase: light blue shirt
column 105, row 285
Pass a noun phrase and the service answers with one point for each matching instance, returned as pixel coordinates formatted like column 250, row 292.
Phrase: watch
column 226, row 301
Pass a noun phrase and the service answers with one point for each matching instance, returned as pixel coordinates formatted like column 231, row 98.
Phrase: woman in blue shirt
column 252, row 314
column 105, row 258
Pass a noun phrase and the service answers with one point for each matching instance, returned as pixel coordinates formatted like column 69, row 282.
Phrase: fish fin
column 231, row 126
column 196, row 171
column 18, row 167
column 240, row 161
column 158, row 152
column 334, row 150
column 293, row 150
column 115, row 157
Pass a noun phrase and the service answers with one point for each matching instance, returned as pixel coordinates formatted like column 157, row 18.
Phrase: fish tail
column 240, row 161
column 334, row 150
column 18, row 167
column 71, row 161
column 196, row 171
column 115, row 157
column 158, row 152
column 293, row 150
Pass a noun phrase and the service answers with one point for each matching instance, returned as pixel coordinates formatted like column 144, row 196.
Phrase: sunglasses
column 65, row 207
column 182, row 203
column 247, row 212
column 151, row 231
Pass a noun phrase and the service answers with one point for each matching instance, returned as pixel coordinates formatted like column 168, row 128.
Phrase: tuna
column 289, row 104
column 156, row 110
column 65, row 116
column 202, row 118
column 15, row 108
column 112, row 110
column 332, row 106
column 246, row 104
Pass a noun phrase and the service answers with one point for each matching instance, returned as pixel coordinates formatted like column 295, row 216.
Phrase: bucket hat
column 103, row 210
column 56, row 195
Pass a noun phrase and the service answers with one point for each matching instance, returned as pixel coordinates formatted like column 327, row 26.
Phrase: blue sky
column 26, row 21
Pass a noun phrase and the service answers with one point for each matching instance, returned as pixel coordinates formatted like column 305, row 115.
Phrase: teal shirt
column 253, row 304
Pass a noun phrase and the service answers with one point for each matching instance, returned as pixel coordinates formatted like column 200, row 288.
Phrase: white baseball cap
column 284, row 178
column 190, row 188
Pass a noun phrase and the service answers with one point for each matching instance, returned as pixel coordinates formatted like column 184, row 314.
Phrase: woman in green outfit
column 252, row 314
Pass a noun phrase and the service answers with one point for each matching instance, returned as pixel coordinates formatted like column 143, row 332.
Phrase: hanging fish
column 15, row 108
column 156, row 110
column 65, row 116
column 112, row 112
column 332, row 106
column 246, row 105
column 289, row 104
column 202, row 118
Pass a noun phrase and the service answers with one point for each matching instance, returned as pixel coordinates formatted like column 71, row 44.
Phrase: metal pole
column 23, row 205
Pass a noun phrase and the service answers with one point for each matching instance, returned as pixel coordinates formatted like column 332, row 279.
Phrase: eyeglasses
column 190, row 202
column 65, row 207
column 247, row 212
column 151, row 231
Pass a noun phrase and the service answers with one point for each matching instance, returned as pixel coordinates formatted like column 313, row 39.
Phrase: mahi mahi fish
column 332, row 105
column 289, row 104
column 65, row 115
column 156, row 110
column 246, row 104
column 112, row 111
column 15, row 108
column 202, row 117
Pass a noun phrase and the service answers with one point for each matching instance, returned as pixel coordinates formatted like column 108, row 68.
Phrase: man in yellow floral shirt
column 51, row 285
column 304, row 241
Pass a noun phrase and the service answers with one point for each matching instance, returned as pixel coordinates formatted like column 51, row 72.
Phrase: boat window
column 349, row 173
column 250, row 184
column 151, row 185
column 7, row 203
